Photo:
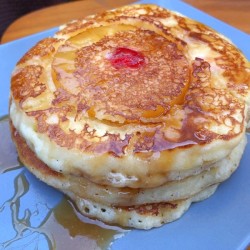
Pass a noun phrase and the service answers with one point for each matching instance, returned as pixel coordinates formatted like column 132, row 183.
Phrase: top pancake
column 124, row 96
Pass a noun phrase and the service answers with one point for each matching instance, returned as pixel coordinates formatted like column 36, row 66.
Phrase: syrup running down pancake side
column 132, row 101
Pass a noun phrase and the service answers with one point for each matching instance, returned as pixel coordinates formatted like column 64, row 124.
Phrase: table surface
column 233, row 12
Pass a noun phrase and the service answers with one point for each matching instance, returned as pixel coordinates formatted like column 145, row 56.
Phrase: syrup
column 59, row 226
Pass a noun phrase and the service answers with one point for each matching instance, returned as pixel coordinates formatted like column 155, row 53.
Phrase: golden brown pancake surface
column 123, row 97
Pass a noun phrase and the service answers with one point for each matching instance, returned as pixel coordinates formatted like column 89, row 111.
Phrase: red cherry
column 127, row 58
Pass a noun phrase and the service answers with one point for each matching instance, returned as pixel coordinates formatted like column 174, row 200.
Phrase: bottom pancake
column 143, row 215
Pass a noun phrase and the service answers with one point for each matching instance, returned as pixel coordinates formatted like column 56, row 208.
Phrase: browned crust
column 28, row 157
column 42, row 49
column 30, row 160
column 152, row 209
column 150, row 97
column 21, row 90
column 67, row 91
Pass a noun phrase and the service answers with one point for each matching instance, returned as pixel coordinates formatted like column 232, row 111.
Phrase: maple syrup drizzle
column 62, row 227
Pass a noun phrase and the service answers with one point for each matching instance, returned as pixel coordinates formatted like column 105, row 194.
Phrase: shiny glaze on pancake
column 129, row 198
column 144, row 216
column 191, row 89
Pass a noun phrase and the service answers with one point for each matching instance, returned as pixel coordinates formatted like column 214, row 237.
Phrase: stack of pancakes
column 134, row 113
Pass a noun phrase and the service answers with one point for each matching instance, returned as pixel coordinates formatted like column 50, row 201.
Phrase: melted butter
column 61, row 227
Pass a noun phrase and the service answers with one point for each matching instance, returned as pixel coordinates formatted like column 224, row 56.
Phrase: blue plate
column 220, row 222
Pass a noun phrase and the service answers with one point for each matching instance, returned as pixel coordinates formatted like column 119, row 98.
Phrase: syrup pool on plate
column 36, row 216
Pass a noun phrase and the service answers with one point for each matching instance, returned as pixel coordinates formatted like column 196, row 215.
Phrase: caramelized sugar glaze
column 126, row 92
